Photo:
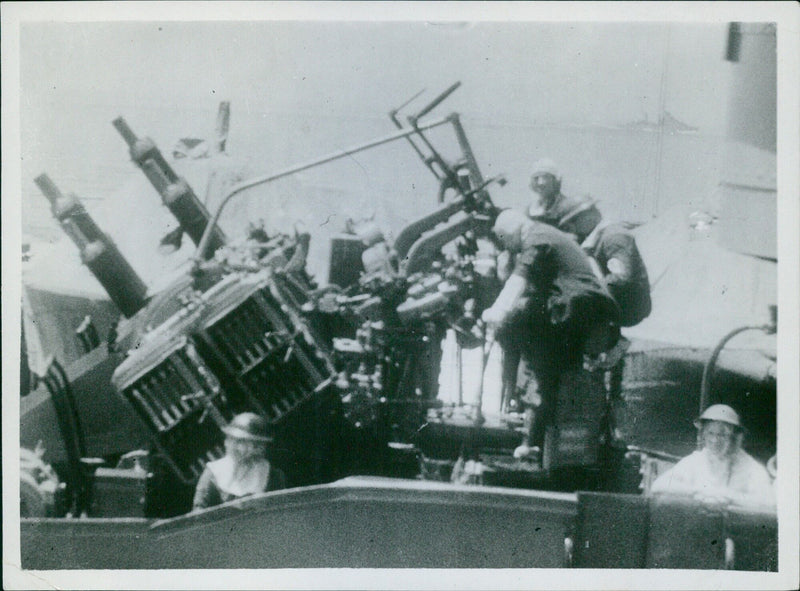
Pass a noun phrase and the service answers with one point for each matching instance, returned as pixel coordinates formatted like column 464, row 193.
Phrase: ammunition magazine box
column 119, row 493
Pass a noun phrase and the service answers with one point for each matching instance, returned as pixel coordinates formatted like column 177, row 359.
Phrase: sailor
column 552, row 309
column 549, row 205
column 243, row 470
column 618, row 260
column 720, row 471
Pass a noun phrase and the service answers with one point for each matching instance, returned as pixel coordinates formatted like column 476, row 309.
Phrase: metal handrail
column 199, row 256
column 705, row 383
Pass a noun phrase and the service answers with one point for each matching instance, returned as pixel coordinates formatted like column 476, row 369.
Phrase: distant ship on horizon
column 667, row 122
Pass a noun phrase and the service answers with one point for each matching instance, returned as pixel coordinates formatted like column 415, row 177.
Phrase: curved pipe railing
column 705, row 384
column 199, row 256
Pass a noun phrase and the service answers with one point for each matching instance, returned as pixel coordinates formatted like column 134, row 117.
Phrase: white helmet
column 545, row 166
column 719, row 412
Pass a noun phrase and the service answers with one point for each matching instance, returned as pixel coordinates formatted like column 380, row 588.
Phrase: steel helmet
column 583, row 217
column 545, row 166
column 719, row 412
column 248, row 426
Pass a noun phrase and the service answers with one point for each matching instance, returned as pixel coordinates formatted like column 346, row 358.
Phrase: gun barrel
column 175, row 192
column 98, row 251
column 125, row 131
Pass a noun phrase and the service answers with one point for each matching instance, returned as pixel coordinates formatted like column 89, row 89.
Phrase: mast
column 661, row 121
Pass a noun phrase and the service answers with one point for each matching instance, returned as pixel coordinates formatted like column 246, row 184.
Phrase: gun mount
column 248, row 330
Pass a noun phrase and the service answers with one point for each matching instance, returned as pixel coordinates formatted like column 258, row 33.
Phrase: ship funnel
column 749, row 184
column 98, row 252
column 175, row 192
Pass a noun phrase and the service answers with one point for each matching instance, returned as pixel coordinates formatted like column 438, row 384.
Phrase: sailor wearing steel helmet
column 720, row 471
column 550, row 204
column 244, row 470
column 619, row 262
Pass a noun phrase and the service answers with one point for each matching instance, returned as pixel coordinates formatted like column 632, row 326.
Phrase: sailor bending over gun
column 553, row 310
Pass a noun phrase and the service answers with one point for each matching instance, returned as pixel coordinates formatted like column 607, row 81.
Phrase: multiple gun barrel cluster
column 341, row 371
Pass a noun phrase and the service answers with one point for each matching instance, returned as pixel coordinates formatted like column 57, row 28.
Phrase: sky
column 304, row 88
column 556, row 72
column 167, row 78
